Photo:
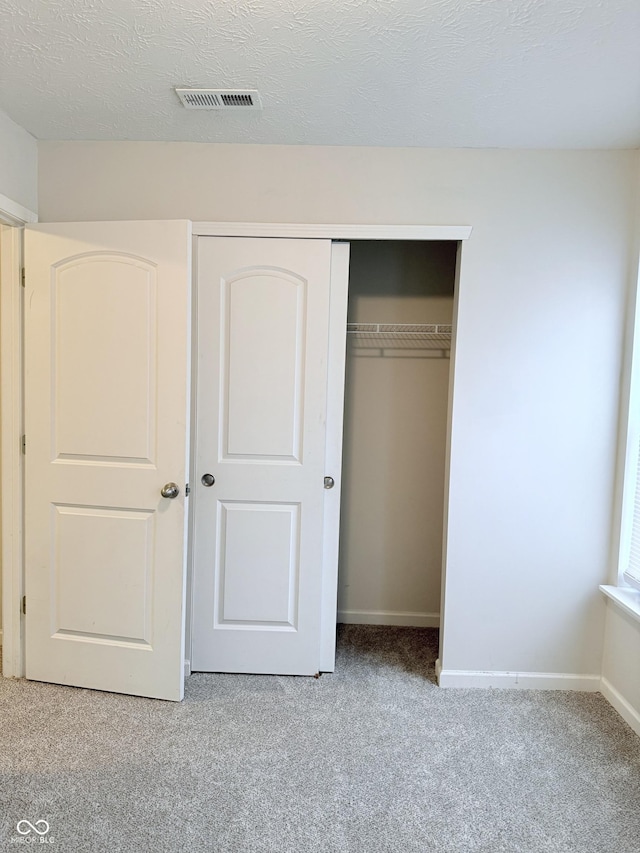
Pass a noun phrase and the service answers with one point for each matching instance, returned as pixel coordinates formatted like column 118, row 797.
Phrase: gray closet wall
column 395, row 434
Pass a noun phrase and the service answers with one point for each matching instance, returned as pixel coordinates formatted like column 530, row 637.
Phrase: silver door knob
column 207, row 479
column 329, row 482
column 170, row 490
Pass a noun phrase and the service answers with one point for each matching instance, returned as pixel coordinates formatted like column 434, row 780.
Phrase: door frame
column 13, row 217
column 337, row 233
column 341, row 236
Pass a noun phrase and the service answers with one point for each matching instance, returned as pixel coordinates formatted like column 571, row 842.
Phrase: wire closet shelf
column 406, row 336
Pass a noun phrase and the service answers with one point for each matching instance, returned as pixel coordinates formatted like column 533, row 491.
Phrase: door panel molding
column 81, row 310
column 262, row 306
column 271, row 603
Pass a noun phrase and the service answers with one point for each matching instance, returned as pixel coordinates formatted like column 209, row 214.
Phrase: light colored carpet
column 372, row 758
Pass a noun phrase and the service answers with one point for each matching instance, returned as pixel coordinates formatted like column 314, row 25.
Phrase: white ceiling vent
column 220, row 99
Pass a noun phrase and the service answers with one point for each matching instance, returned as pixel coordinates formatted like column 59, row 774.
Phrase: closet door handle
column 329, row 482
column 207, row 479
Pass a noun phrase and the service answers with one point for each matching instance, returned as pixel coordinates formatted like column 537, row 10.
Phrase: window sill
column 625, row 598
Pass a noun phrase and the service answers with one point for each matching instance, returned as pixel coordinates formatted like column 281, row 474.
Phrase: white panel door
column 106, row 411
column 263, row 325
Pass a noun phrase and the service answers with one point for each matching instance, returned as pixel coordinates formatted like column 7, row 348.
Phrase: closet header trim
column 332, row 232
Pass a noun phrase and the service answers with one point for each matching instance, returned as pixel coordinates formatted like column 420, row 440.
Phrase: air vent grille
column 220, row 99
column 237, row 100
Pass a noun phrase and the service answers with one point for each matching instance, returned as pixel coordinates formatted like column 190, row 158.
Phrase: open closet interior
column 399, row 328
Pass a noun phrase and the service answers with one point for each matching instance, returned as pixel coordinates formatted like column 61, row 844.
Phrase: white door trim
column 447, row 456
column 12, row 467
column 12, row 213
column 332, row 232
column 12, row 217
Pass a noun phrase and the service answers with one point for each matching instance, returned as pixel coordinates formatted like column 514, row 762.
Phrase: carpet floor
column 372, row 758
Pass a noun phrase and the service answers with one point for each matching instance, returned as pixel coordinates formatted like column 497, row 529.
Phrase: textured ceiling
column 433, row 73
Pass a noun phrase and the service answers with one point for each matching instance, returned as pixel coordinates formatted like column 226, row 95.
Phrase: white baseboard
column 389, row 617
column 187, row 668
column 624, row 708
column 519, row 680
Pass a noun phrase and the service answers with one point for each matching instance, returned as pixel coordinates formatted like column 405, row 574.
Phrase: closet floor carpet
column 372, row 758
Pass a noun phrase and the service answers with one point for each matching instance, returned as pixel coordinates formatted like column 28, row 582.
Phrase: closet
column 400, row 313
column 183, row 479
column 264, row 503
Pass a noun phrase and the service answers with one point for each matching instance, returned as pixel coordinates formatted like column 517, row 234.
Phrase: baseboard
column 624, row 708
column 187, row 668
column 519, row 680
column 389, row 617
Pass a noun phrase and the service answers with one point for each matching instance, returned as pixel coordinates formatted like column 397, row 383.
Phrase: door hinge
column 23, row 277
column 24, row 605
column 23, row 443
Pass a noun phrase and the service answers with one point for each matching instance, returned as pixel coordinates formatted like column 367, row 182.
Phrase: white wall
column 535, row 403
column 18, row 164
column 395, row 439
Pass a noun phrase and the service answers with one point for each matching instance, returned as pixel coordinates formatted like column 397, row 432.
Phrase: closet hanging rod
column 401, row 328
column 430, row 336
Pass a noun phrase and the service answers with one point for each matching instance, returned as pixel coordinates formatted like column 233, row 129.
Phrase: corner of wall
column 18, row 164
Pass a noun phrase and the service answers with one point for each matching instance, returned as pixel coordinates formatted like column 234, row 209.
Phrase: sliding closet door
column 263, row 326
